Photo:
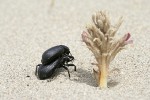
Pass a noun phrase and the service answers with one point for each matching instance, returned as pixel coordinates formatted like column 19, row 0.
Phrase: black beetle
column 54, row 58
column 53, row 53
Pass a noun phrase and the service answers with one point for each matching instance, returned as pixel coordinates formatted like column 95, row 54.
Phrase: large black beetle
column 53, row 53
column 53, row 58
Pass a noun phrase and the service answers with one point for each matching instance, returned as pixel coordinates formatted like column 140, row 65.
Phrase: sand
column 29, row 27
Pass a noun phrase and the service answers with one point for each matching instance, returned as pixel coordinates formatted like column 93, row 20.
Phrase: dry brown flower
column 100, row 39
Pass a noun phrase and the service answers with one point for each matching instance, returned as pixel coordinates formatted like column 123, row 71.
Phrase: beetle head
column 68, row 58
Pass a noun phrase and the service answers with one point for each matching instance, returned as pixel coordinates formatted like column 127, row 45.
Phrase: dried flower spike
column 99, row 38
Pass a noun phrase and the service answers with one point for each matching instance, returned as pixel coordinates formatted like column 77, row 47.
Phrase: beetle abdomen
column 46, row 71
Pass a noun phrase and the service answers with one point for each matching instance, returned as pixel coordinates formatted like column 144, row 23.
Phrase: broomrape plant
column 100, row 39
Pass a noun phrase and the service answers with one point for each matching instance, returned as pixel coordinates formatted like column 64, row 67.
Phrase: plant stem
column 103, row 72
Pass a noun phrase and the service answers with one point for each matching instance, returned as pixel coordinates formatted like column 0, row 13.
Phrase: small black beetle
column 53, row 53
column 54, row 58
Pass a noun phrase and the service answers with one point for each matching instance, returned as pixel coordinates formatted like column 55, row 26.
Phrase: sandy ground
column 29, row 27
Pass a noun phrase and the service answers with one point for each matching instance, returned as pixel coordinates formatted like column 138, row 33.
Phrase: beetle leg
column 72, row 65
column 36, row 70
column 71, row 57
column 67, row 70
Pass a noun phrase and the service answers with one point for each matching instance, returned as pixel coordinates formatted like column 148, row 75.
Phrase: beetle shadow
column 112, row 83
column 84, row 76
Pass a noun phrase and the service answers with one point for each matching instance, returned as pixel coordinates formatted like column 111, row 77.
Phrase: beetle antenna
column 70, row 54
